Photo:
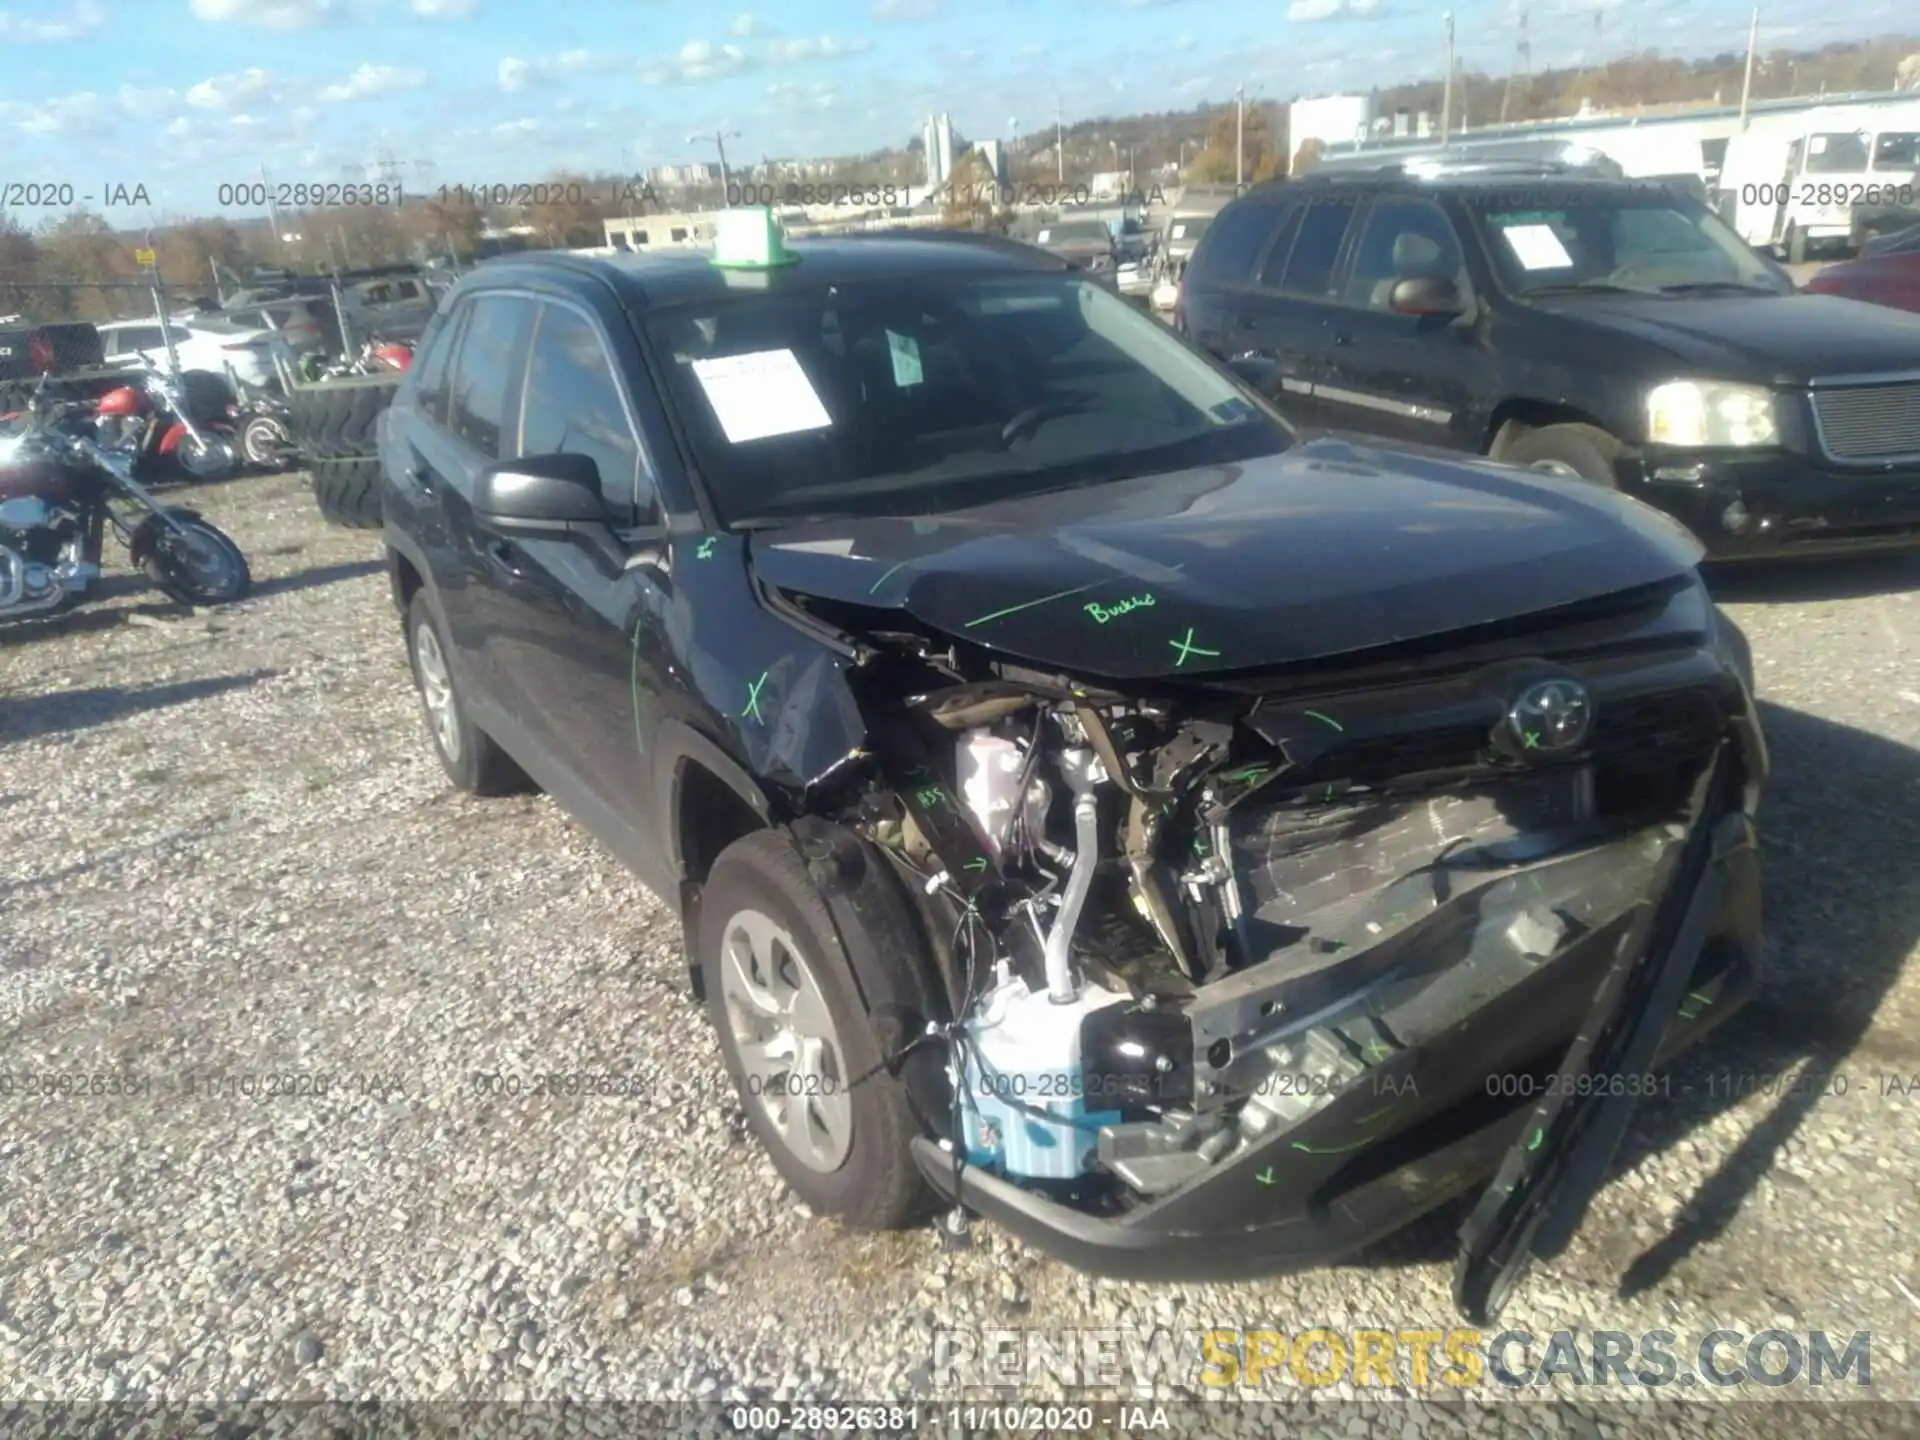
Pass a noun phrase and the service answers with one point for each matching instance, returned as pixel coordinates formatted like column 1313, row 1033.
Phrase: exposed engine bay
column 1184, row 923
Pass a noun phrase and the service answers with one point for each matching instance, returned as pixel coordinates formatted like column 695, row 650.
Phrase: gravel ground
column 236, row 859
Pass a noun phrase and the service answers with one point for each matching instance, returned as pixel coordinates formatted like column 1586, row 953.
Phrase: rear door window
column 432, row 371
column 1316, row 250
column 488, row 372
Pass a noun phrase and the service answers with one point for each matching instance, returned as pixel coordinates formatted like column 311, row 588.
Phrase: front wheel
column 798, row 1040
column 211, row 457
column 197, row 564
column 1577, row 452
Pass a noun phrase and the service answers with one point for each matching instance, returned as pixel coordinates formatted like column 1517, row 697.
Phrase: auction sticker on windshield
column 1536, row 246
column 760, row 395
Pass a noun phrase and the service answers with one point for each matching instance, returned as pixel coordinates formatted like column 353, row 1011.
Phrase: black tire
column 1583, row 452
column 877, row 1186
column 175, row 566
column 336, row 419
column 348, row 492
column 472, row 761
column 207, row 395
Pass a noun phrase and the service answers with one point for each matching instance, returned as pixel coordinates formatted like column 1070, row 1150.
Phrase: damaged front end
column 1250, row 969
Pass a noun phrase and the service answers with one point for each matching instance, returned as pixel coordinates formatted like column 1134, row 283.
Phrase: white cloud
column 797, row 52
column 82, row 114
column 905, row 9
column 266, row 14
column 1183, row 44
column 444, row 9
column 1307, row 12
column 789, row 96
column 696, row 61
column 81, row 18
column 370, row 80
column 156, row 104
column 517, row 127
column 744, row 25
column 516, row 74
column 221, row 91
column 180, row 129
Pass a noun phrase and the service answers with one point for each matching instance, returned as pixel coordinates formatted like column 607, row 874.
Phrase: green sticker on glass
column 906, row 360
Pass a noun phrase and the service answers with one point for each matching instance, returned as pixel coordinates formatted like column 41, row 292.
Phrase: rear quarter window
column 1233, row 243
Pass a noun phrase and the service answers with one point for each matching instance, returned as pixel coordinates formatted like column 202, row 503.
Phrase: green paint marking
column 753, row 698
column 1028, row 605
column 1103, row 613
column 1326, row 720
column 1306, row 1149
column 1530, row 739
column 886, row 577
column 1248, row 773
column 1538, row 1136
column 1376, row 1050
column 633, row 681
column 931, row 797
column 705, row 552
column 1703, row 999
column 1266, row 1176
column 979, row 862
column 1188, row 649
column 1369, row 1119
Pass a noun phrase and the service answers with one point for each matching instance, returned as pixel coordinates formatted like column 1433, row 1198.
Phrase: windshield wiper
column 1734, row 287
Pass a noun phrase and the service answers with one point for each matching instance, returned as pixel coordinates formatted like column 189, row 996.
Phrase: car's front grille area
column 1318, row 840
column 1869, row 422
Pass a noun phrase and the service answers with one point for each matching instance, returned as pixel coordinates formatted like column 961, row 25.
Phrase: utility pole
column 1525, row 68
column 273, row 213
column 1059, row 142
column 1746, row 84
column 1240, row 138
column 720, row 138
column 1446, row 91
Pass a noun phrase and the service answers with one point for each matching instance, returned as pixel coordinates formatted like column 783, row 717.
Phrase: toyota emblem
column 1550, row 717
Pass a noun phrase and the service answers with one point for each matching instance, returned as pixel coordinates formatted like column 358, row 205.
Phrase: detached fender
column 140, row 543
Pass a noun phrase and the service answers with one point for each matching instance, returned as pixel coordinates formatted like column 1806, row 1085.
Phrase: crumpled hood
column 1327, row 549
column 1777, row 340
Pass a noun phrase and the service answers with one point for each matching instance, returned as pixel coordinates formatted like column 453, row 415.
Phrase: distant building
column 1330, row 119
column 936, row 140
column 657, row 232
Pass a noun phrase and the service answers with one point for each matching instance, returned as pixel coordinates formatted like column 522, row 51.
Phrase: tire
column 264, row 441
column 761, row 904
column 336, row 419
column 219, row 459
column 348, row 492
column 205, row 569
column 1583, row 452
column 472, row 761
column 206, row 394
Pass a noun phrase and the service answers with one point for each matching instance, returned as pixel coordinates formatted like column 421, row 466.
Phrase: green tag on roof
column 749, row 238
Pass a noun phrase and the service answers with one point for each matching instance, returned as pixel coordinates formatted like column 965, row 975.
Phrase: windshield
column 1187, row 229
column 1653, row 241
column 1077, row 232
column 903, row 396
column 1897, row 150
column 1838, row 153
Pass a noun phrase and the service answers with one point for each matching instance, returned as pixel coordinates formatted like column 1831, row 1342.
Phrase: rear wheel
column 798, row 1041
column 1578, row 452
column 348, row 492
column 266, row 442
column 472, row 761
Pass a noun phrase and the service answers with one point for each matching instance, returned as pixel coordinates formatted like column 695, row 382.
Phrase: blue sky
column 180, row 95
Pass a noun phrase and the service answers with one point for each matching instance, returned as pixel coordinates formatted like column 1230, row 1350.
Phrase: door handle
column 423, row 481
column 508, row 556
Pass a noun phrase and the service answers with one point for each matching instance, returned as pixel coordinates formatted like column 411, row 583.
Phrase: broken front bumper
column 1435, row 1119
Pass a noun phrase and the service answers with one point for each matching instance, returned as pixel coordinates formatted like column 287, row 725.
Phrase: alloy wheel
column 436, row 692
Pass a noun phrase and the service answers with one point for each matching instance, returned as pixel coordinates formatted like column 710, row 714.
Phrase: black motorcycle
column 58, row 492
column 261, row 418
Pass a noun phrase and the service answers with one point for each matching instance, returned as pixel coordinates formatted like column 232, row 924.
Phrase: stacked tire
column 335, row 423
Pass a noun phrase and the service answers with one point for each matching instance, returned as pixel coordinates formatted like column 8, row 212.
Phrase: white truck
column 1791, row 182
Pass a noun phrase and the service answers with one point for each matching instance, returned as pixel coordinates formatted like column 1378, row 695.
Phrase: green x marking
column 1266, row 1176
column 1187, row 648
column 1530, row 739
column 753, row 698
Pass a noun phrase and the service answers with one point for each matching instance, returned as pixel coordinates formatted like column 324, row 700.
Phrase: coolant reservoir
column 989, row 768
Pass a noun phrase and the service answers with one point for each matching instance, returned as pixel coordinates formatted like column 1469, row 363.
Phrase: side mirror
column 1257, row 370
column 541, row 492
column 1426, row 296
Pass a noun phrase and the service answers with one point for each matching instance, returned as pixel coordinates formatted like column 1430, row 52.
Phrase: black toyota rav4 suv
column 1613, row 331
column 1084, row 805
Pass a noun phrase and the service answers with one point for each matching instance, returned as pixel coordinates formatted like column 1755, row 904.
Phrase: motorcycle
column 376, row 357
column 58, row 491
column 153, row 421
column 261, row 417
